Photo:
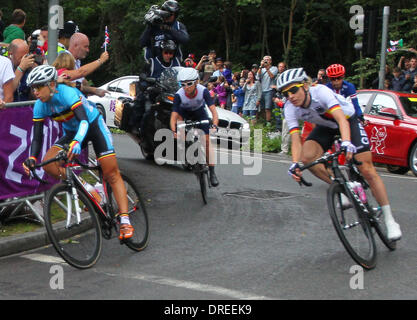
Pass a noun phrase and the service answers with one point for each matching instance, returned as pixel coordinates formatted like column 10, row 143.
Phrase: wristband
column 20, row 69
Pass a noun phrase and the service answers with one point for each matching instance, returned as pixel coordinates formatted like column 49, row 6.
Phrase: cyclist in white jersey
column 332, row 114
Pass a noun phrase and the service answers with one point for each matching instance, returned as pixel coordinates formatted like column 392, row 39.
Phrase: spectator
column 219, row 67
column 388, row 75
column 252, row 91
column 279, row 101
column 387, row 84
column 6, row 80
column 44, row 34
column 266, row 76
column 321, row 77
column 221, row 91
column 189, row 62
column 65, row 35
column 404, row 63
column 2, row 26
column 410, row 73
column 155, row 66
column 414, row 88
column 22, row 62
column 239, row 95
column 15, row 29
column 398, row 80
column 168, row 29
column 254, row 69
column 79, row 47
column 244, row 73
column 65, row 62
column 207, row 66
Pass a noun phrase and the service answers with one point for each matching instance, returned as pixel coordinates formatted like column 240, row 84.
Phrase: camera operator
column 207, row 66
column 22, row 62
column 36, row 42
column 162, row 24
column 266, row 76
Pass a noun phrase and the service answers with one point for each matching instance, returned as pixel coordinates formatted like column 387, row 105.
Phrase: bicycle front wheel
column 352, row 226
column 75, row 236
column 202, row 179
column 137, row 214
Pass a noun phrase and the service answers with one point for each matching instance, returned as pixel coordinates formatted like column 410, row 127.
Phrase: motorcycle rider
column 189, row 103
column 153, row 68
column 163, row 25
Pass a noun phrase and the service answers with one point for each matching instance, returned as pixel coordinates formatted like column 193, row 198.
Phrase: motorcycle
column 152, row 114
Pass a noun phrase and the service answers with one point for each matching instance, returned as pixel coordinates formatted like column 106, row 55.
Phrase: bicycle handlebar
column 323, row 159
column 62, row 155
column 190, row 124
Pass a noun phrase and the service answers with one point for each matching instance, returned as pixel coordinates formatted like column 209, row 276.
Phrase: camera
column 33, row 49
column 156, row 16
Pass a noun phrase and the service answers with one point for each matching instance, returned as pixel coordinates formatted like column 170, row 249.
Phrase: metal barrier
column 13, row 207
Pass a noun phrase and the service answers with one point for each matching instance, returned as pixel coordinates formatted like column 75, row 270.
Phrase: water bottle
column 100, row 190
column 359, row 191
column 91, row 190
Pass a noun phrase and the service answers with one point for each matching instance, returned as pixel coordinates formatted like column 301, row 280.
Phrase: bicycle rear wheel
column 352, row 227
column 79, row 243
column 377, row 223
column 137, row 214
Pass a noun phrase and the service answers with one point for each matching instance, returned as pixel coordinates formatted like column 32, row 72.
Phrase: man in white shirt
column 6, row 80
column 266, row 75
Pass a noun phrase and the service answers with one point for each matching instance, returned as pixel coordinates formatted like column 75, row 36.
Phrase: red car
column 391, row 128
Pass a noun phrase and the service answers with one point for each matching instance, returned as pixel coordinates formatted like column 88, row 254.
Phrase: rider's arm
column 340, row 118
column 81, row 116
column 174, row 114
column 36, row 145
column 212, row 107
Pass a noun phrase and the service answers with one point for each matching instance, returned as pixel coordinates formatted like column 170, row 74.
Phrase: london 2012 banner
column 16, row 133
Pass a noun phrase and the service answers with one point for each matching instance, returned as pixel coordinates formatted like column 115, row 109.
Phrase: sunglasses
column 293, row 90
column 187, row 84
column 336, row 79
column 168, row 53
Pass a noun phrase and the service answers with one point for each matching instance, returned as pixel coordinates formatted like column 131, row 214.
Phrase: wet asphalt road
column 259, row 237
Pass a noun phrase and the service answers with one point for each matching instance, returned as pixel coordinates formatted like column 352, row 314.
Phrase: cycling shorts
column 98, row 133
column 197, row 115
column 324, row 136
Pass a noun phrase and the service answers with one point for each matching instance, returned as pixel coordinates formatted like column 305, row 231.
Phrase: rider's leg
column 311, row 151
column 210, row 158
column 379, row 191
column 54, row 169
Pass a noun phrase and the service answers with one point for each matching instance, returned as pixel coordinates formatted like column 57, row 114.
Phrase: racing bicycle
column 78, row 217
column 357, row 220
column 195, row 157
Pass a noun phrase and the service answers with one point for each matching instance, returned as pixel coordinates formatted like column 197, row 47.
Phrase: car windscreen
column 410, row 106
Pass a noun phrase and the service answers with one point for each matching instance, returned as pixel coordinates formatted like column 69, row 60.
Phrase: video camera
column 33, row 49
column 156, row 16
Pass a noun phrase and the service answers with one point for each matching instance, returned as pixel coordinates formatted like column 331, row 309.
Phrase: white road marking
column 43, row 258
column 190, row 285
column 206, row 288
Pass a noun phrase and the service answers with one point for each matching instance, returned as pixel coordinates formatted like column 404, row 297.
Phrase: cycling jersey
column 61, row 108
column 193, row 108
column 348, row 90
column 323, row 102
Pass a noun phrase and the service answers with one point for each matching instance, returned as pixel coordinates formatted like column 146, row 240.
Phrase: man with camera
column 162, row 24
column 22, row 62
column 266, row 76
column 207, row 66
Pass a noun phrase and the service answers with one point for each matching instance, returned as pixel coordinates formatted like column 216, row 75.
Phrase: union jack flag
column 106, row 39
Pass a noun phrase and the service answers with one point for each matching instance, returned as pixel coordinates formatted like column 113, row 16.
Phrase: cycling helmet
column 335, row 71
column 187, row 74
column 171, row 6
column 290, row 76
column 42, row 74
column 168, row 45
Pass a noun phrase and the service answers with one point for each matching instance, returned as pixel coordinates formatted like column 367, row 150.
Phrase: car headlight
column 246, row 126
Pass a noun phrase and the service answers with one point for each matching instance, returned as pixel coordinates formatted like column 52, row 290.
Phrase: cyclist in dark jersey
column 81, row 122
column 189, row 103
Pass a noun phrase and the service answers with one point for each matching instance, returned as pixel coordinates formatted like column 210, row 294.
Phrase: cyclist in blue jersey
column 82, row 122
column 333, row 115
column 189, row 103
column 336, row 74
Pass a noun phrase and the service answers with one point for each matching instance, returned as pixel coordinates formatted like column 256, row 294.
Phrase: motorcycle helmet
column 171, row 6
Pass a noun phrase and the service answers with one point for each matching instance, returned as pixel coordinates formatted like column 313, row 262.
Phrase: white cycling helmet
column 42, row 74
column 296, row 75
column 187, row 74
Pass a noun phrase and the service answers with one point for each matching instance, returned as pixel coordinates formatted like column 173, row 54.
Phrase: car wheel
column 412, row 160
column 102, row 111
column 397, row 169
